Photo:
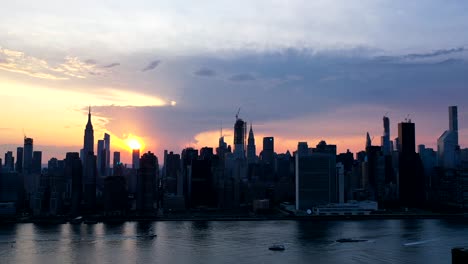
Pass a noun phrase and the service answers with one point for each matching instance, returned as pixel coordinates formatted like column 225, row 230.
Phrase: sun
column 133, row 144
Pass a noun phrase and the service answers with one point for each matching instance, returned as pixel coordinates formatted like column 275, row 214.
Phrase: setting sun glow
column 133, row 144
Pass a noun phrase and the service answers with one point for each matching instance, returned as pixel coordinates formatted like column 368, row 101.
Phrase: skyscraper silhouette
column 37, row 162
column 27, row 155
column 268, row 150
column 9, row 162
column 19, row 160
column 386, row 145
column 146, row 183
column 88, row 146
column 136, row 159
column 74, row 171
column 89, row 165
column 411, row 181
column 239, row 139
column 107, row 152
column 101, row 158
column 447, row 145
column 251, row 149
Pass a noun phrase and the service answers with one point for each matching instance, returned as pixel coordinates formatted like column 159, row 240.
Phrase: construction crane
column 237, row 115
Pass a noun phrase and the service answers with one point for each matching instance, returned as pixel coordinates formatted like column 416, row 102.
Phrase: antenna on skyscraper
column 407, row 120
column 237, row 115
column 221, row 130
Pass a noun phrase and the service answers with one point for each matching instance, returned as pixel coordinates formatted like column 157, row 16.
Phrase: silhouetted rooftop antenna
column 237, row 115
column 221, row 129
column 407, row 119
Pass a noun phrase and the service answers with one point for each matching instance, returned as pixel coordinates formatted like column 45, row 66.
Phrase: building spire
column 89, row 124
column 368, row 140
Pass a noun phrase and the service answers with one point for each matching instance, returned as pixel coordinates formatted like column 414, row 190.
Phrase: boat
column 350, row 240
column 77, row 220
column 277, row 247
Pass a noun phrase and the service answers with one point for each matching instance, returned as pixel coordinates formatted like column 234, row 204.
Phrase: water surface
column 388, row 241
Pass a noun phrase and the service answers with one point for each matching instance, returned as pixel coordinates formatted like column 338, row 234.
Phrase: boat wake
column 418, row 242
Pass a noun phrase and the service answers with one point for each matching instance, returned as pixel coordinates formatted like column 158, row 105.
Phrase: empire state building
column 88, row 146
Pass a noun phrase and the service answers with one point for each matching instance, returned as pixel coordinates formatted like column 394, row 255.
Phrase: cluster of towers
column 390, row 174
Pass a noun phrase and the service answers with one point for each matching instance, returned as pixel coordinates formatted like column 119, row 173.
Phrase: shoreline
column 99, row 219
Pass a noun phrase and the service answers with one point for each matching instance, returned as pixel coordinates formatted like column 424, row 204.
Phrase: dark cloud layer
column 151, row 66
column 296, row 84
column 416, row 56
column 115, row 64
column 205, row 72
column 434, row 53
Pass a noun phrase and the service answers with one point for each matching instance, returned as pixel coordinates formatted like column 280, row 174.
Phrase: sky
column 170, row 74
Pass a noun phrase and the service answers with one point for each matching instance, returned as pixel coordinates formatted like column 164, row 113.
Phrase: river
column 387, row 241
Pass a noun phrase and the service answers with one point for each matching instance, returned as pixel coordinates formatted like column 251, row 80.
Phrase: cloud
column 420, row 56
column 242, row 77
column 205, row 72
column 19, row 62
column 90, row 61
column 434, row 53
column 114, row 64
column 151, row 66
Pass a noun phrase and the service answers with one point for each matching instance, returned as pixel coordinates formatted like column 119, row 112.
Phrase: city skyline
column 210, row 139
column 169, row 75
column 125, row 148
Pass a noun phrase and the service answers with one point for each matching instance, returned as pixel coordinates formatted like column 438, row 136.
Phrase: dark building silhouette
column 411, row 182
column 206, row 153
column 28, row 178
column 27, row 155
column 251, row 148
column 107, row 154
column 57, row 181
column 9, row 162
column 316, row 178
column 374, row 180
column 101, row 158
column 19, row 160
column 115, row 195
column 240, row 131
column 302, row 148
column 10, row 186
column 88, row 142
column 132, row 177
column 74, row 171
column 268, row 150
column 172, row 174
column 202, row 189
column 447, row 145
column 386, row 143
column 146, row 184
column 135, row 159
column 116, row 158
column 347, row 159
column 37, row 162
column 188, row 156
column 90, row 183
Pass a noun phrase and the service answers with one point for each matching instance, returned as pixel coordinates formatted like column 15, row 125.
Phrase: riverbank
column 201, row 217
